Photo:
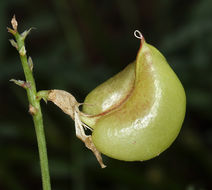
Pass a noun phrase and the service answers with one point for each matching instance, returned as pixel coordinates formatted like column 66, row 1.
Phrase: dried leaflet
column 70, row 106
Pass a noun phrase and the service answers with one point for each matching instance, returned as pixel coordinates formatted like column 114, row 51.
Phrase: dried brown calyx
column 67, row 102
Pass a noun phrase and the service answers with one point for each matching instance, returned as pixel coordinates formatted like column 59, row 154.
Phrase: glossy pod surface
column 138, row 113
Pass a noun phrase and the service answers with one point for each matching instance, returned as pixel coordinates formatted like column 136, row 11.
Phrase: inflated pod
column 138, row 113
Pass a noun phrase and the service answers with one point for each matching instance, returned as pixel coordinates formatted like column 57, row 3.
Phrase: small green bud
column 22, row 51
column 13, row 43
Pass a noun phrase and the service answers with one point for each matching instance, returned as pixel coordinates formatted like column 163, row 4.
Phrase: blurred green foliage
column 77, row 45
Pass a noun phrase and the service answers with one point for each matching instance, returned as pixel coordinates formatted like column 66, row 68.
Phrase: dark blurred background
column 78, row 44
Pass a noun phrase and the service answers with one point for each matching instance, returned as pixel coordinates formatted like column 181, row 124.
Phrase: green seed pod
column 138, row 113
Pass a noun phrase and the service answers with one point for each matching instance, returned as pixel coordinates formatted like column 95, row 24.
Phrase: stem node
column 22, row 51
column 32, row 110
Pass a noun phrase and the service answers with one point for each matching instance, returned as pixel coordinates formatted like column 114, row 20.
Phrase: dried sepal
column 30, row 63
column 21, row 83
column 64, row 100
column 87, row 139
column 14, row 28
column 13, row 43
column 70, row 106
column 32, row 110
column 14, row 23
column 11, row 31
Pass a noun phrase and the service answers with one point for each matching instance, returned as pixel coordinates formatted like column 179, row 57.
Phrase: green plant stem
column 35, row 111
